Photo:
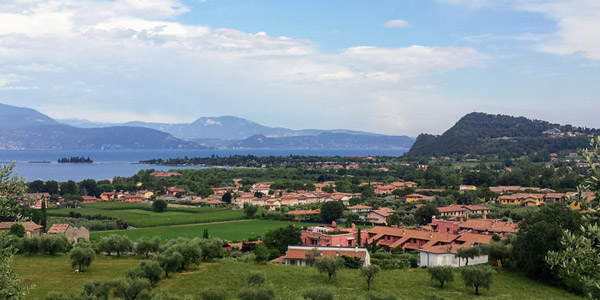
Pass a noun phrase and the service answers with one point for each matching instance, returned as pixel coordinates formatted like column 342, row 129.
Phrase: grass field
column 290, row 282
column 54, row 273
column 235, row 230
column 141, row 215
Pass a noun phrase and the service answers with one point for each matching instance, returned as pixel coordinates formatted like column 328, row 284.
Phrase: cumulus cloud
column 396, row 23
column 132, row 56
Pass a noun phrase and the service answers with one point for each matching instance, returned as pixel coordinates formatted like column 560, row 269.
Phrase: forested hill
column 503, row 136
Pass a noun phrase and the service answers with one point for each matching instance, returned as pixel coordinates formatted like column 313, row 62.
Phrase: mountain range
column 25, row 128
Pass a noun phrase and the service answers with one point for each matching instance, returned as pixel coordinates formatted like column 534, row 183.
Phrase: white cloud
column 396, row 23
column 130, row 58
column 577, row 23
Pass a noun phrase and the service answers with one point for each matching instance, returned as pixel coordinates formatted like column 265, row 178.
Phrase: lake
column 110, row 163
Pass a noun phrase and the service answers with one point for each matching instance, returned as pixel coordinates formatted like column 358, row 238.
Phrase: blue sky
column 395, row 67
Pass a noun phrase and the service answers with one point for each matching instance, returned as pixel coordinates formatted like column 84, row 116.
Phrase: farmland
column 141, row 215
column 235, row 230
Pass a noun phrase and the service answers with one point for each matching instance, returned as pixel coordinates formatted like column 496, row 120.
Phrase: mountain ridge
column 501, row 135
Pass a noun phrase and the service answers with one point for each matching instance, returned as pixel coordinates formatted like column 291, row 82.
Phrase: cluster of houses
column 436, row 243
column 32, row 229
column 532, row 196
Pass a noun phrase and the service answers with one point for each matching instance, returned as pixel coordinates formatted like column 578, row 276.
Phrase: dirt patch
column 27, row 282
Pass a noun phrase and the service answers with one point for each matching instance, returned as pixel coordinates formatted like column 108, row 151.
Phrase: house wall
column 448, row 259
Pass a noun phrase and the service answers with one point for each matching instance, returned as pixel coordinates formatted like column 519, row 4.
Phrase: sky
column 399, row 67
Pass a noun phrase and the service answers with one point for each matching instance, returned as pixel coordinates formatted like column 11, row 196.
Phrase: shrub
column 318, row 294
column 257, row 293
column 213, row 294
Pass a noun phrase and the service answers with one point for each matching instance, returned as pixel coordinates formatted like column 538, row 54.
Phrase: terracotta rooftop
column 58, row 228
column 29, row 226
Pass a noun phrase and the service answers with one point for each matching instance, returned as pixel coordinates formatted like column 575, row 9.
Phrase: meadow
column 289, row 282
column 43, row 274
column 141, row 215
column 234, row 230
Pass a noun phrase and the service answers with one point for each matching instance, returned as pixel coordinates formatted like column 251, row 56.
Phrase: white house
column 297, row 255
column 445, row 255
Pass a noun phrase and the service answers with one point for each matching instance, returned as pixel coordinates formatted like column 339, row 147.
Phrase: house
column 418, row 197
column 522, row 199
column 261, row 187
column 301, row 214
column 380, row 216
column 89, row 199
column 224, row 189
column 320, row 186
column 131, row 199
column 359, row 208
column 464, row 188
column 408, row 239
column 145, row 194
column 455, row 210
column 214, row 202
column 445, row 255
column 72, row 233
column 332, row 236
column 159, row 174
column 173, row 191
column 489, row 226
column 108, row 196
column 384, row 189
column 301, row 255
column 31, row 228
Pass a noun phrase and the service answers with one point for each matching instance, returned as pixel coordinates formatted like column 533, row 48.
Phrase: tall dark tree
column 44, row 220
column 282, row 237
column 332, row 210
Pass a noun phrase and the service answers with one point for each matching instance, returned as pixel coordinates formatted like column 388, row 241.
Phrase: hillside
column 28, row 129
column 501, row 135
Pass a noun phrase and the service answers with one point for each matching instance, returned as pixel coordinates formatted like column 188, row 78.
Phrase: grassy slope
column 141, row 215
column 54, row 273
column 238, row 230
column 290, row 282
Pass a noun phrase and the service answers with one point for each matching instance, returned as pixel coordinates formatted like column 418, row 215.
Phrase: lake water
column 110, row 163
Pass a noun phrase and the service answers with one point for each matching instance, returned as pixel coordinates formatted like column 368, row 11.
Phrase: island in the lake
column 76, row 160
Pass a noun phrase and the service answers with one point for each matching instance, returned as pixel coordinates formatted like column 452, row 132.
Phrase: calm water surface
column 111, row 163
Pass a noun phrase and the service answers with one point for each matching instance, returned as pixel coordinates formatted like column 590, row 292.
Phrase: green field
column 289, row 282
column 141, row 215
column 54, row 273
column 235, row 230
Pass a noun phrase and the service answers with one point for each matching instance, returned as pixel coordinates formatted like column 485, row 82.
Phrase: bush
column 256, row 278
column 149, row 270
column 318, row 294
column 159, row 205
column 247, row 257
column 257, row 293
column 54, row 243
column 213, row 294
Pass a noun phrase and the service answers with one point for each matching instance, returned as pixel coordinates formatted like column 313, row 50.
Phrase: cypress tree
column 43, row 221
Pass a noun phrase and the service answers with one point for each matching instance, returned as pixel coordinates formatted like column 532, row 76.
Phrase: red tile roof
column 58, row 228
column 29, row 226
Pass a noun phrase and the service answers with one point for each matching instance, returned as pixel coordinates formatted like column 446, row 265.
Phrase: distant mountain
column 223, row 128
column 501, row 135
column 325, row 140
column 224, row 132
column 12, row 117
column 23, row 128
